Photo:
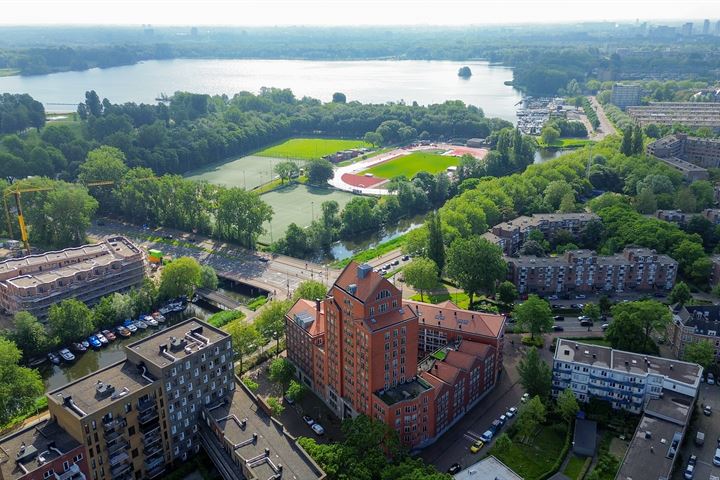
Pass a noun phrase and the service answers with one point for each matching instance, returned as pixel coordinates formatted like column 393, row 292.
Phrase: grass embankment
column 310, row 148
column 39, row 406
column 9, row 72
column 567, row 143
column 409, row 165
column 537, row 458
column 371, row 253
column 220, row 319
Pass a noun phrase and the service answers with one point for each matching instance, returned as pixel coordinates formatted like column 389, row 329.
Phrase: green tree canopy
column 567, row 405
column 19, row 386
column 435, row 242
column 534, row 315
column 475, row 264
column 634, row 322
column 29, row 335
column 680, row 294
column 208, row 278
column 507, row 293
column 310, row 290
column 421, row 274
column 281, row 371
column 245, row 339
column 702, row 353
column 535, row 374
column 70, row 320
column 179, row 277
column 530, row 416
column 593, row 311
column 271, row 321
column 287, row 170
column 319, row 171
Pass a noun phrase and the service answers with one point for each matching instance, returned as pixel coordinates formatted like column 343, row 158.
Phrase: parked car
column 476, row 446
column 308, row 420
column 396, row 262
column 586, row 323
column 707, row 410
column 525, row 397
column 487, row 436
column 552, row 297
column 689, row 472
column 503, row 419
column 94, row 342
column 102, row 338
column 700, row 439
column 559, row 318
column 78, row 347
column 556, row 306
column 122, row 331
column 577, row 306
column 558, row 328
column 405, row 258
column 454, row 468
column 716, row 458
column 604, row 326
column 66, row 355
column 318, row 429
column 109, row 335
column 710, row 379
column 692, row 460
column 512, row 411
column 289, row 400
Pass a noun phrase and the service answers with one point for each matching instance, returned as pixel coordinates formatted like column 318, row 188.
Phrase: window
column 66, row 465
column 135, row 453
column 131, row 432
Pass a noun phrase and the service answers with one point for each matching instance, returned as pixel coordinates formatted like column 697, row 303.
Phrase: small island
column 465, row 72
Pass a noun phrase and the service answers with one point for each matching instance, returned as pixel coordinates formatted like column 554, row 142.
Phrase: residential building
column 36, row 282
column 42, row 451
column 715, row 271
column 706, row 27
column 704, row 152
column 694, row 323
column 690, row 114
column 359, row 350
column 638, row 269
column 625, row 95
column 681, row 218
column 512, row 234
column 487, row 468
column 687, row 29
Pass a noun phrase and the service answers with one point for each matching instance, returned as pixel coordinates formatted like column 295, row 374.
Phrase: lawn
column 574, row 467
column 532, row 461
column 413, row 163
column 567, row 143
column 295, row 203
column 310, row 148
column 245, row 172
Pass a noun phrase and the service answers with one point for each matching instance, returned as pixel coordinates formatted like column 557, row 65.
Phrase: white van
column 716, row 458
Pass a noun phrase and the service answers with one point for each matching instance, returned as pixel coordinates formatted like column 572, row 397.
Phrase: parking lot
column 710, row 425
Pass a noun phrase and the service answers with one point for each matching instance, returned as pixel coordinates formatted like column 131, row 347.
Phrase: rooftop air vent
column 177, row 344
column 103, row 389
column 352, row 288
column 363, row 270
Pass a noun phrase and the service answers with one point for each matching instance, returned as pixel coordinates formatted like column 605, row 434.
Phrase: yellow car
column 475, row 447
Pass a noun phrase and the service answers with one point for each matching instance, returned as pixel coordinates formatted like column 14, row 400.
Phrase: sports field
column 246, row 172
column 411, row 164
column 296, row 203
column 310, row 148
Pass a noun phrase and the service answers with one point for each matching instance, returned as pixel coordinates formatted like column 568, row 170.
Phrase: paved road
column 278, row 274
column 606, row 126
column 709, row 394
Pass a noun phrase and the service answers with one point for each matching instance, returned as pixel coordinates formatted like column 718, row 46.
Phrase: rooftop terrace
column 405, row 391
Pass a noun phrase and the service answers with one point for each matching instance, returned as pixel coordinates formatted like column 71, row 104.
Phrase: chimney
column 363, row 270
column 317, row 304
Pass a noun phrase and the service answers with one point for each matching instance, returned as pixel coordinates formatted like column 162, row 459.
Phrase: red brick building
column 364, row 350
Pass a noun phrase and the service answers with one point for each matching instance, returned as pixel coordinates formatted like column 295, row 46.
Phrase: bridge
column 218, row 299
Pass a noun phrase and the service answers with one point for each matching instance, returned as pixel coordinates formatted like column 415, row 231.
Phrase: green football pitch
column 310, row 148
column 246, row 172
column 409, row 165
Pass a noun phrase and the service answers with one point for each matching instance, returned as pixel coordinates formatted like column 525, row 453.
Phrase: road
column 606, row 127
column 277, row 274
column 710, row 426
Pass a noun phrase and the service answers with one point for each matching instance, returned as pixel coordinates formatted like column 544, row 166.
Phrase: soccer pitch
column 310, row 148
column 245, row 172
column 409, row 165
column 296, row 203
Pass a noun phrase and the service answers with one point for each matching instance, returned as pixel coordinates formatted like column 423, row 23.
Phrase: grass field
column 567, row 143
column 310, row 148
column 245, row 172
column 531, row 461
column 574, row 467
column 409, row 165
column 295, row 204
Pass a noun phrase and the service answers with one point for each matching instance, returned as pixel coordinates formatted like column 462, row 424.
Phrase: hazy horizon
column 324, row 13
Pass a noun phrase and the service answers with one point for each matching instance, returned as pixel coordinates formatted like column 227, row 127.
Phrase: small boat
column 159, row 317
column 150, row 321
column 66, row 355
column 164, row 310
column 36, row 362
column 85, row 344
column 109, row 335
column 54, row 359
column 123, row 331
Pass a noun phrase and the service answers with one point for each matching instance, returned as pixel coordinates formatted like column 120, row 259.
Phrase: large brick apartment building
column 584, row 271
column 364, row 350
column 175, row 393
column 692, row 324
column 36, row 282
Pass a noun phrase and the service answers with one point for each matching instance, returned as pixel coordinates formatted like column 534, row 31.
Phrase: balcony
column 145, row 404
column 109, row 437
column 120, row 469
column 149, row 426
column 152, row 438
column 118, row 458
column 117, row 446
column 156, row 471
column 154, row 463
column 147, row 416
column 72, row 473
column 151, row 450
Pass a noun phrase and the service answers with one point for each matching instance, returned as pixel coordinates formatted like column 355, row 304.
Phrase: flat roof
column 149, row 347
column 26, row 446
column 646, row 458
column 672, row 406
column 489, row 468
column 122, row 376
column 405, row 391
column 283, row 449
column 634, row 363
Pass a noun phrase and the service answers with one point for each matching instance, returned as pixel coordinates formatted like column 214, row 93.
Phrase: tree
column 680, row 294
column 567, row 405
column 535, row 374
column 245, row 339
column 123, row 305
column 281, row 371
column 700, row 270
column 339, row 97
column 296, row 391
column 276, row 406
column 685, row 200
column 567, row 203
column 373, row 138
column 686, row 253
column 179, row 277
column 287, row 170
column 104, row 164
column 103, row 313
column 319, row 171
column 592, row 311
column 626, row 147
column 532, row 247
column 271, row 322
column 66, row 215
column 549, row 135
column 507, row 293
column 638, row 140
column 310, row 290
column 29, row 335
column 534, row 315
column 475, row 264
column 240, row 216
column 20, row 386
column 555, row 191
column 435, row 242
column 634, row 322
column 531, row 414
column 208, row 278
column 70, row 320
column 702, row 353
column 421, row 274
column 605, row 304
column 645, row 202
column 503, row 442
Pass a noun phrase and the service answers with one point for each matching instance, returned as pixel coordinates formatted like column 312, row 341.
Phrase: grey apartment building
column 36, row 282
column 584, row 271
column 512, row 234
column 704, row 152
column 690, row 114
column 625, row 95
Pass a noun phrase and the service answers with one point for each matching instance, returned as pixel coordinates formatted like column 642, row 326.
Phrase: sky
column 346, row 12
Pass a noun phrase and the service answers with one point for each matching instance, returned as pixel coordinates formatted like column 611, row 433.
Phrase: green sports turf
column 310, row 148
column 295, row 204
column 246, row 172
column 409, row 165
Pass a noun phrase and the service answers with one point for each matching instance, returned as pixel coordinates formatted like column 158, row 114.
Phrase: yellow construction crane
column 21, row 219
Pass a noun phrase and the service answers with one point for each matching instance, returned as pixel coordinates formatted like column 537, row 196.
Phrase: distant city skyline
column 346, row 12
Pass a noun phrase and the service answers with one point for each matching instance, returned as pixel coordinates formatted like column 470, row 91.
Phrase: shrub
column 276, row 406
column 221, row 319
column 251, row 384
column 256, row 303
column 537, row 342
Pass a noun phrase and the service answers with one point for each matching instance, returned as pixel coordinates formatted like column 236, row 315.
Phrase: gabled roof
column 445, row 372
column 365, row 286
column 448, row 315
column 305, row 314
column 480, row 350
column 461, row 360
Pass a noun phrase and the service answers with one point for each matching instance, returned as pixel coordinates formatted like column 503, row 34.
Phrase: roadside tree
column 702, row 353
column 310, row 290
column 422, row 275
column 70, row 320
column 680, row 294
column 179, row 277
column 287, row 170
column 319, row 172
column 245, row 338
column 475, row 264
column 534, row 315
column 271, row 322
column 592, row 311
column 531, row 415
column 507, row 293
column 281, row 371
column 535, row 374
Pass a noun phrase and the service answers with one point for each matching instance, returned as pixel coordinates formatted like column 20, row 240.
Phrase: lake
column 375, row 81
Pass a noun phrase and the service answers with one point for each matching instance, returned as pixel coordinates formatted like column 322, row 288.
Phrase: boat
column 36, row 362
column 122, row 331
column 159, row 317
column 164, row 310
column 54, row 359
column 150, row 321
column 66, row 355
column 85, row 344
column 109, row 335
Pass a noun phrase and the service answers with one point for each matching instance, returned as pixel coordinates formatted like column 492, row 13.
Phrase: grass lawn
column 567, row 143
column 531, row 461
column 574, row 466
column 310, row 148
column 245, row 172
column 409, row 165
column 295, row 203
